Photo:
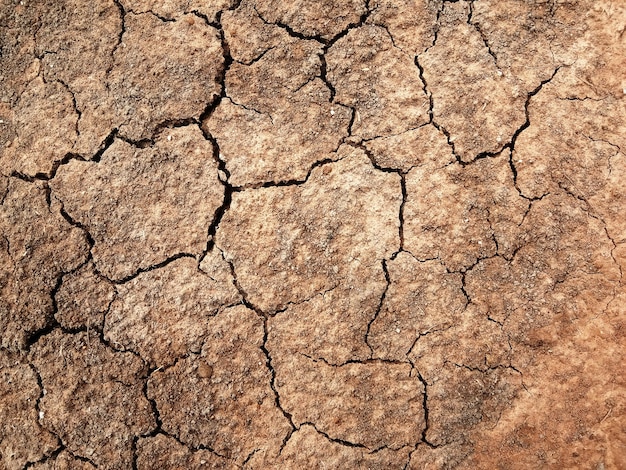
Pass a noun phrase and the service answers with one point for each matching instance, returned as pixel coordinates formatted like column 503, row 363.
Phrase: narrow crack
column 336, row 440
column 482, row 34
column 268, row 361
column 424, row 437
column 378, row 307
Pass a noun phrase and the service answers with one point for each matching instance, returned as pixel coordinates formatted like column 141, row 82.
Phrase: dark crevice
column 362, row 19
column 483, row 36
column 289, row 30
column 228, row 195
column 52, row 455
column 378, row 307
column 152, row 267
column 425, row 333
column 244, row 296
column 228, row 61
column 108, row 141
column 431, row 115
column 336, row 440
column 356, row 361
column 192, row 448
column 401, row 214
column 255, row 59
column 268, row 363
column 291, row 182
column 251, row 454
column 51, row 321
column 75, row 105
column 324, row 75
column 284, row 307
column 426, row 412
column 120, row 35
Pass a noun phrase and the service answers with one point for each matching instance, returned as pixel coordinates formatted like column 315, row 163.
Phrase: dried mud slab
column 162, row 451
column 64, row 461
column 143, row 206
column 479, row 106
column 422, row 298
column 76, row 41
column 309, row 250
column 460, row 215
column 22, row 438
column 163, row 314
column 32, row 233
column 325, row 19
column 45, row 134
column 93, row 397
column 274, row 92
column 373, row 404
column 307, row 445
column 180, row 88
column 528, row 41
column 378, row 81
column 222, row 398
column 83, row 299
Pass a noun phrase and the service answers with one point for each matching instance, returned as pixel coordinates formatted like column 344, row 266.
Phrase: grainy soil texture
column 312, row 234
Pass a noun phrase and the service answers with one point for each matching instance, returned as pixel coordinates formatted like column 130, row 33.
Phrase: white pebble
column 41, row 415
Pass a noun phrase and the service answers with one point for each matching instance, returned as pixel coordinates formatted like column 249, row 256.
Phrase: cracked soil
column 382, row 234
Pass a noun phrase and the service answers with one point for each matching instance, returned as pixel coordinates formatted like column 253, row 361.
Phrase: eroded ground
column 340, row 234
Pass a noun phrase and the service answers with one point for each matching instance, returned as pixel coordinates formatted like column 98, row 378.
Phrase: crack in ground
column 378, row 308
column 268, row 361
column 483, row 36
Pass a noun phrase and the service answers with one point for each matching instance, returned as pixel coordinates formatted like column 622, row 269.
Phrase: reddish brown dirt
column 384, row 234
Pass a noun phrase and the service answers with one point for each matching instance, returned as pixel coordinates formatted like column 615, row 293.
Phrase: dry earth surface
column 384, row 234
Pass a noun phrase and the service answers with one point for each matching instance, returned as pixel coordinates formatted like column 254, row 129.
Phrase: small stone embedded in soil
column 233, row 411
column 22, row 439
column 163, row 314
column 38, row 246
column 93, row 396
column 380, row 82
column 142, row 206
column 166, row 452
